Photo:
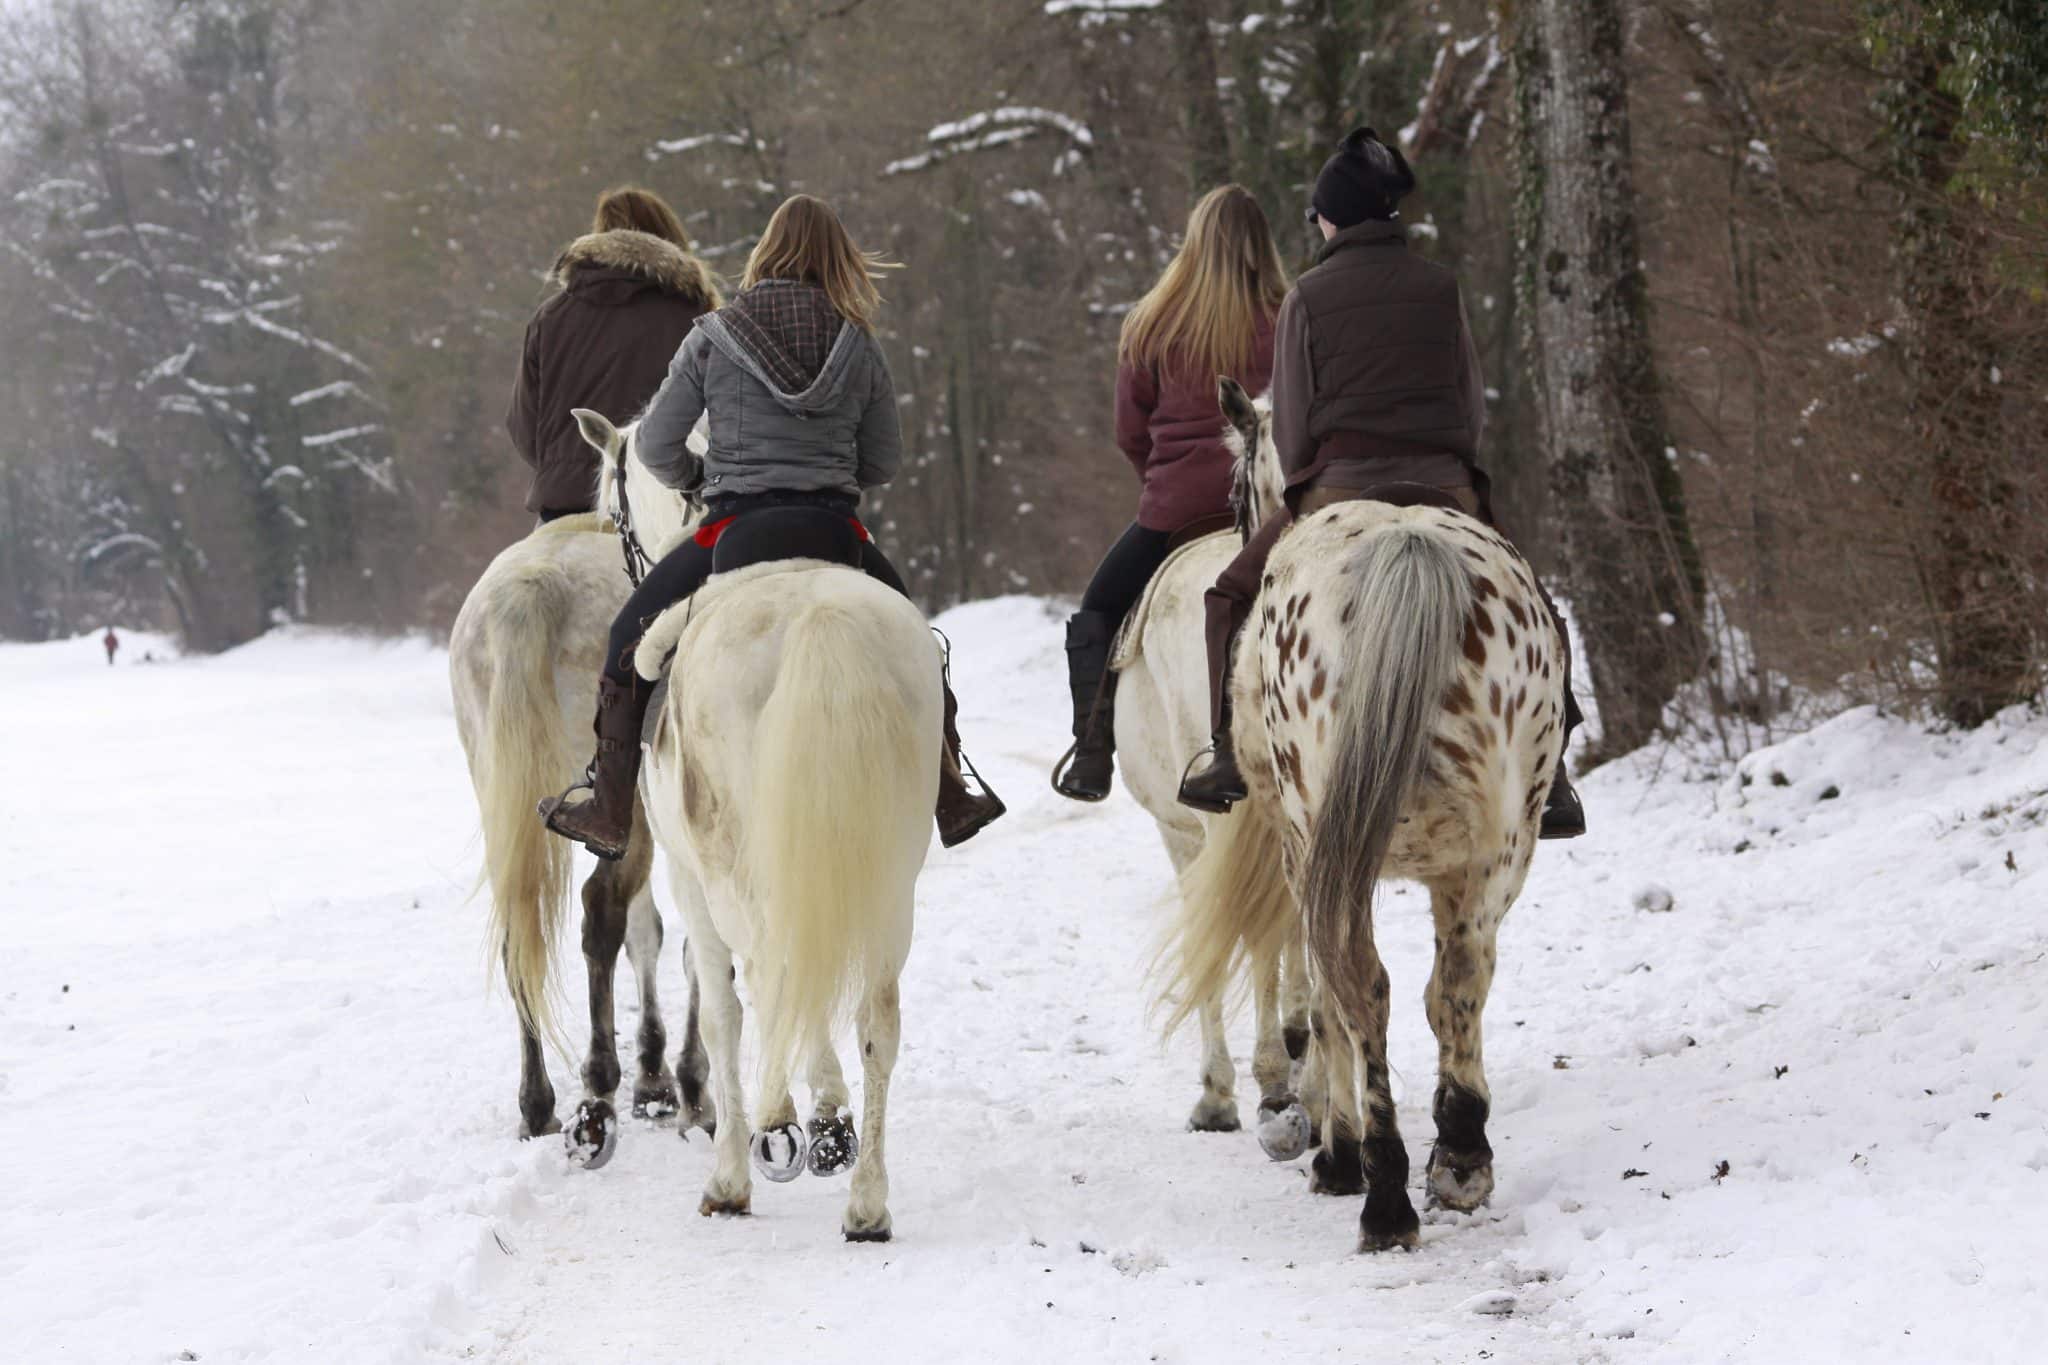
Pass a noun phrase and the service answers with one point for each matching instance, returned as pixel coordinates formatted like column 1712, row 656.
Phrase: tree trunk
column 1979, row 598
column 1208, row 132
column 1631, row 565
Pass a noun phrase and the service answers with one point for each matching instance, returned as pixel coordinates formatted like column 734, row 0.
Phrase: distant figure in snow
column 1210, row 314
column 625, row 296
column 112, row 643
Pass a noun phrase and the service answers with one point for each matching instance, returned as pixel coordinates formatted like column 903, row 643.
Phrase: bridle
column 637, row 560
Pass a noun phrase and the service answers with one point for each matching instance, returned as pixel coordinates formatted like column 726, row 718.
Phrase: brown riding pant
column 1228, row 605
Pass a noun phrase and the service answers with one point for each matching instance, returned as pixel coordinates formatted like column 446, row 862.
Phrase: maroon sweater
column 1172, row 432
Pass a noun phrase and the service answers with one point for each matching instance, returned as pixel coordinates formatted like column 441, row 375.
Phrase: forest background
column 1759, row 289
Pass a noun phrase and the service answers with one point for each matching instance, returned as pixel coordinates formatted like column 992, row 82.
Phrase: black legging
column 1121, row 577
column 681, row 572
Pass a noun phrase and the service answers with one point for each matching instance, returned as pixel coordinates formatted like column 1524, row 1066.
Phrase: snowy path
column 256, row 1104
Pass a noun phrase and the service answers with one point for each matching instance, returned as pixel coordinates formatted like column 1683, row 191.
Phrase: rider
column 800, row 414
column 1375, row 383
column 626, row 295
column 1211, row 313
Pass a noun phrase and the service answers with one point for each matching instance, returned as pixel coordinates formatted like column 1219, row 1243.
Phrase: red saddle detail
column 707, row 536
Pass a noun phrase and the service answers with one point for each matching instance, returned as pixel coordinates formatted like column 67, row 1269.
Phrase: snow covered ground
column 256, row 1099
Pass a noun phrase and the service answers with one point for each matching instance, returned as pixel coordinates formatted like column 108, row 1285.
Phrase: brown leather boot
column 962, row 811
column 604, row 822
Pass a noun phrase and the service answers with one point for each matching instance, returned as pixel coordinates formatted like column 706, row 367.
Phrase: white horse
column 790, row 780
column 1399, row 712
column 1162, row 716
column 523, row 662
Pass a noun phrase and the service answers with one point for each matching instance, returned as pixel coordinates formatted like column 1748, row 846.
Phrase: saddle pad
column 1123, row 651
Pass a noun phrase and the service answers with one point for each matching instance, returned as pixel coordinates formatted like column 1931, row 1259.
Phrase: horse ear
column 597, row 429
column 1237, row 407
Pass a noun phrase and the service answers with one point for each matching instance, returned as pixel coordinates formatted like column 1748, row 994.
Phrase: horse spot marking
column 1315, row 690
column 1483, row 620
column 1493, row 697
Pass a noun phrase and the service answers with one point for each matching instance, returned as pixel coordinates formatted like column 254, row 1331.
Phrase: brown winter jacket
column 602, row 340
column 1375, row 376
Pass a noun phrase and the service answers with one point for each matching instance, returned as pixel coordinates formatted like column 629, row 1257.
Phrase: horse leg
column 881, row 1026
column 779, row 1146
column 1216, row 1111
column 654, row 1090
column 834, row 1143
column 693, row 1064
column 1388, row 1219
column 731, row 1187
column 536, row 1094
column 593, row 1134
column 1294, row 999
column 1339, row 1168
column 1283, row 1120
column 1461, row 1161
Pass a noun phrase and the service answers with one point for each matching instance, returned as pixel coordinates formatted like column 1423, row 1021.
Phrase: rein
column 637, row 560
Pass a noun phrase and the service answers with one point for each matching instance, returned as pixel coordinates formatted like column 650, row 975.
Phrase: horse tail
column 1410, row 597
column 522, row 758
column 845, row 761
column 1235, row 910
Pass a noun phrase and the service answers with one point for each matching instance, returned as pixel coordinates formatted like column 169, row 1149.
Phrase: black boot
column 1563, row 816
column 1084, row 771
column 962, row 811
column 1219, row 786
column 604, row 823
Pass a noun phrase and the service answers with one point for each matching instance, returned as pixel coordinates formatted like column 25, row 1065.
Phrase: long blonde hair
column 1203, row 315
column 806, row 241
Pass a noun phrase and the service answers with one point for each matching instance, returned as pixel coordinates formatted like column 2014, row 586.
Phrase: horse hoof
column 711, row 1205
column 1338, row 1169
column 1214, row 1116
column 655, row 1099
column 1284, row 1129
column 881, row 1232
column 1398, row 1240
column 527, row 1132
column 834, row 1144
column 1459, row 1185
column 779, row 1152
column 594, row 1135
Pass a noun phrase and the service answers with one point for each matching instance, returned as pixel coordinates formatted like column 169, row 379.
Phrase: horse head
column 1257, row 491
column 659, row 516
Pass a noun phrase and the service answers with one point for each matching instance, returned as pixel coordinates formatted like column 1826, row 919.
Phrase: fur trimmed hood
column 643, row 254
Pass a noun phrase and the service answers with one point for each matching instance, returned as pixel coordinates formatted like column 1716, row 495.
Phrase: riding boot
column 962, row 811
column 1084, row 771
column 1563, row 816
column 603, row 823
column 1219, row 786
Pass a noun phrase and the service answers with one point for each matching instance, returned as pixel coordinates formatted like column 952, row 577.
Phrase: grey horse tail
column 1411, row 598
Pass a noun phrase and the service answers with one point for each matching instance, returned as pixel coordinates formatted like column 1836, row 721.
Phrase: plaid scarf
column 788, row 327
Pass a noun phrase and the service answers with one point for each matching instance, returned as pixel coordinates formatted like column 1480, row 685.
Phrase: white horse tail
column 1411, row 597
column 839, row 819
column 1235, row 911
column 520, row 760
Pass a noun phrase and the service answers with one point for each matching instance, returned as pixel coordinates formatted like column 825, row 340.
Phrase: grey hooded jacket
column 799, row 400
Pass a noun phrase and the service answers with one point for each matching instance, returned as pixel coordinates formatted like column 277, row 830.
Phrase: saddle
column 1123, row 650
column 766, row 536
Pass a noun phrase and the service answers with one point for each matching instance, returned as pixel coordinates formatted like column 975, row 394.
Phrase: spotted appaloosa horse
column 1399, row 710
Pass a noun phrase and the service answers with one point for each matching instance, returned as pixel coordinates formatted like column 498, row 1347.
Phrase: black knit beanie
column 1365, row 179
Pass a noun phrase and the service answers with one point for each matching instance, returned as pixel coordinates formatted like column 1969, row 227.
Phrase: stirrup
column 1059, row 772
column 1208, row 805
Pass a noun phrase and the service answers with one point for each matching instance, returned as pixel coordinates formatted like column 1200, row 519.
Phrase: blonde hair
column 1203, row 315
column 806, row 241
column 633, row 209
